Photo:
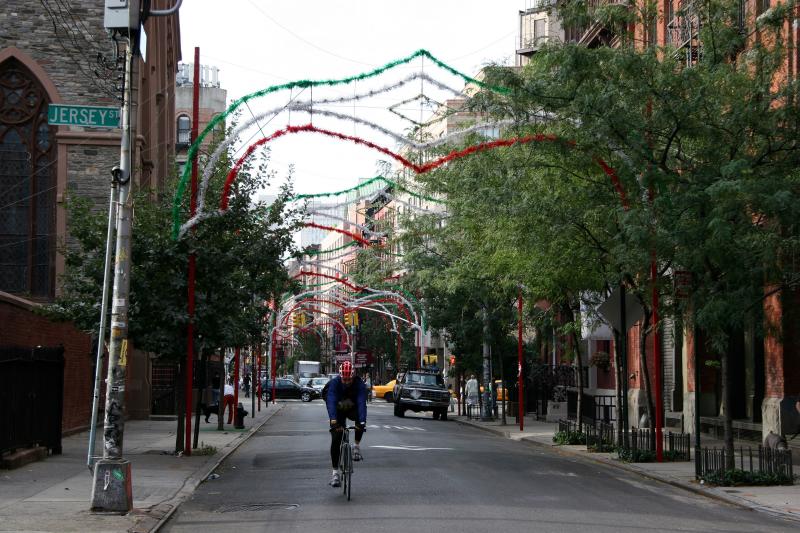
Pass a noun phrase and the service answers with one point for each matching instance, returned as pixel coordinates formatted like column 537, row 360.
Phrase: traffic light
column 452, row 360
column 351, row 319
column 299, row 320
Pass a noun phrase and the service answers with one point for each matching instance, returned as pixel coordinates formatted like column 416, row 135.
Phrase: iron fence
column 675, row 445
column 567, row 426
column 600, row 437
column 765, row 461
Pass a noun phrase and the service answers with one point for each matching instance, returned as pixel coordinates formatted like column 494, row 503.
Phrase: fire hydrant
column 238, row 422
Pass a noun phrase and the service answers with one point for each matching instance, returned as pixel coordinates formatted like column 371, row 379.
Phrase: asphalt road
column 421, row 475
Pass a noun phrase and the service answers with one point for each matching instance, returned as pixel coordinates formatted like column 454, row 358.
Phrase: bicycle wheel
column 344, row 468
column 349, row 471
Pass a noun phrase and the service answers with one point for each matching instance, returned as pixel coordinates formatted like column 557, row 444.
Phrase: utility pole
column 112, row 489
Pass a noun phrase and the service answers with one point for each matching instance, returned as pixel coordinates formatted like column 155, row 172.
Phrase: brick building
column 765, row 367
column 56, row 53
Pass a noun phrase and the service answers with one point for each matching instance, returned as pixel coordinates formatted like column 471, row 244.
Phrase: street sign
column 83, row 115
column 609, row 310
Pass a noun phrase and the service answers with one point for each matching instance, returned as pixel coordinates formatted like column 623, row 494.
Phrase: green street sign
column 83, row 115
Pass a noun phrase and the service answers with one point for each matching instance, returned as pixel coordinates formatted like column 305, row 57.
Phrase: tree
column 239, row 268
column 705, row 154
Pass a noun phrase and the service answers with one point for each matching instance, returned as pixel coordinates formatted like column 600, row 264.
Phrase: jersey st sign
column 83, row 115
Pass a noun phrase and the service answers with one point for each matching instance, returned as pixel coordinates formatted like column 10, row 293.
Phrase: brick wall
column 22, row 327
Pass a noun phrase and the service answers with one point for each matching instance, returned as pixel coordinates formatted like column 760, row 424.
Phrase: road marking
column 410, row 448
column 386, row 426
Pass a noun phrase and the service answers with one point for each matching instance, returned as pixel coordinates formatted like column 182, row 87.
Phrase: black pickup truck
column 422, row 390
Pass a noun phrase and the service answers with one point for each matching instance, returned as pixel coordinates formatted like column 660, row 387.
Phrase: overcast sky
column 260, row 43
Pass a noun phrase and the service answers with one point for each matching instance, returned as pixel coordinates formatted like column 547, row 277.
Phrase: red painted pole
column 236, row 380
column 520, row 391
column 187, row 445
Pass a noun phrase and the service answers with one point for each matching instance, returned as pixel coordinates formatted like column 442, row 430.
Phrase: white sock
column 335, row 471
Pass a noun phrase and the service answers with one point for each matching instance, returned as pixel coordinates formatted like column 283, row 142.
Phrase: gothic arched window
column 27, row 184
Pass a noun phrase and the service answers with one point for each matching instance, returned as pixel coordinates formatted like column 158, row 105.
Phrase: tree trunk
column 727, row 420
column 487, row 367
column 571, row 316
column 576, row 340
column 180, row 409
column 201, row 391
column 618, row 384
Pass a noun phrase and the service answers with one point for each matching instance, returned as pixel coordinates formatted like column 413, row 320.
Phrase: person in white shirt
column 472, row 390
column 228, row 402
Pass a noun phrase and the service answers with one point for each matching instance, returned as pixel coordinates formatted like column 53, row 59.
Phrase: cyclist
column 346, row 398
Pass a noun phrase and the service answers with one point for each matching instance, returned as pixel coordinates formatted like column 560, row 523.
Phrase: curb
column 707, row 492
column 193, row 481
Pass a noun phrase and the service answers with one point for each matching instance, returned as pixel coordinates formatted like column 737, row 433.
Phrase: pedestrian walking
column 215, row 389
column 368, row 384
column 472, row 390
column 229, row 405
column 246, row 383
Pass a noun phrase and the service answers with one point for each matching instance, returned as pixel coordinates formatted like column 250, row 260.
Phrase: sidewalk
column 780, row 501
column 55, row 494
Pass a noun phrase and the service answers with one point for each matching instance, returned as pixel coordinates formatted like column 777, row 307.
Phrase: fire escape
column 683, row 32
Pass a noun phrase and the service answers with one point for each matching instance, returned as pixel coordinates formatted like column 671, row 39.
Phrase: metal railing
column 675, row 445
column 600, row 438
column 765, row 461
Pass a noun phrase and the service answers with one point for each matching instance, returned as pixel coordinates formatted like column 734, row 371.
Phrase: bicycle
column 346, row 461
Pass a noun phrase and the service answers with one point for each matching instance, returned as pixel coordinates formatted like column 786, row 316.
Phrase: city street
column 425, row 475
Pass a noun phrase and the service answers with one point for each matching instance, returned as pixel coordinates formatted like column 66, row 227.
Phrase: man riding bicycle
column 346, row 398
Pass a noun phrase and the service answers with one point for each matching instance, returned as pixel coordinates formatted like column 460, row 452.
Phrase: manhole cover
column 253, row 507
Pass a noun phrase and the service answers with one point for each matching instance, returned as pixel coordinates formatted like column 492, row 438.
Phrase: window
column 184, row 130
column 27, row 185
column 539, row 30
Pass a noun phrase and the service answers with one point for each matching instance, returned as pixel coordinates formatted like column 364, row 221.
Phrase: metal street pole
column 101, row 336
column 520, row 385
column 112, row 489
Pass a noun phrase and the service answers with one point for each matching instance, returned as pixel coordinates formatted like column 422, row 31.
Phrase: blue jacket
column 356, row 392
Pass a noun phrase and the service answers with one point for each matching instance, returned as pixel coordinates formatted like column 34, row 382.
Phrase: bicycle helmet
column 346, row 370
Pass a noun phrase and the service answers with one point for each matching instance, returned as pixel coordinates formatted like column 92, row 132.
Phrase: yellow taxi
column 384, row 391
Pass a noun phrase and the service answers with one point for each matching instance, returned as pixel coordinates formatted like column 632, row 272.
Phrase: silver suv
column 422, row 390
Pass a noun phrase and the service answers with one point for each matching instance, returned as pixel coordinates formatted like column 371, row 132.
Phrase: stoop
column 22, row 457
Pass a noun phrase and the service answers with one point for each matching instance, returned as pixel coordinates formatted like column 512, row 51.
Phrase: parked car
column 288, row 389
column 384, row 391
column 318, row 383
